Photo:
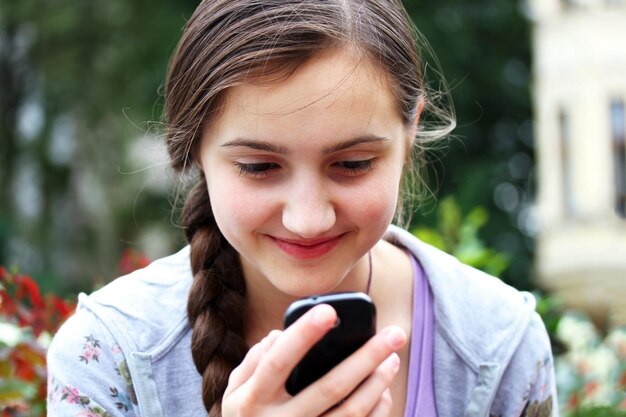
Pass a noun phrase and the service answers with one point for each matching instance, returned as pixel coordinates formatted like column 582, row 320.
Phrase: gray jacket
column 492, row 354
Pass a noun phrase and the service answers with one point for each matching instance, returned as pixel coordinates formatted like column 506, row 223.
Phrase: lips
column 307, row 249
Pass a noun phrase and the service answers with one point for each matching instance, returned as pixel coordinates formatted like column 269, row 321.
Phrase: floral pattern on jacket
column 93, row 358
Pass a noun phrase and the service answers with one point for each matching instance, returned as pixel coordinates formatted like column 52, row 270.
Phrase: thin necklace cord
column 369, row 276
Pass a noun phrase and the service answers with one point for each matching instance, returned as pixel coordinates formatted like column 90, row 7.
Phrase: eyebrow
column 354, row 142
column 261, row 145
column 258, row 145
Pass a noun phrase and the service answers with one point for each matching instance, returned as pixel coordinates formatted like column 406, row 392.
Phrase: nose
column 309, row 211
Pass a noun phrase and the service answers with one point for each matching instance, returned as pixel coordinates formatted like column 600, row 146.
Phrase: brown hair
column 232, row 42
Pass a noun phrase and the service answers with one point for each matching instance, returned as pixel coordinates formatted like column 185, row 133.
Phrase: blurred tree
column 484, row 53
column 458, row 235
column 78, row 81
column 75, row 78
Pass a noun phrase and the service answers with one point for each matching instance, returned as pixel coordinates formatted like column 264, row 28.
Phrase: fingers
column 360, row 383
column 383, row 407
column 287, row 350
column 374, row 360
column 372, row 397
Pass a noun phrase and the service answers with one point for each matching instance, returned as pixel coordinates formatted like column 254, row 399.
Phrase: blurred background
column 531, row 187
column 83, row 174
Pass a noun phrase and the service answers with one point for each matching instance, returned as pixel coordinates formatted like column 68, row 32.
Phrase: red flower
column 591, row 387
column 27, row 286
column 132, row 260
column 8, row 307
column 621, row 382
column 22, row 304
column 573, row 401
column 62, row 307
column 29, row 362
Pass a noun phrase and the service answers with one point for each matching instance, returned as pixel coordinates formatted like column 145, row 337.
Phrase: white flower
column 597, row 393
column 10, row 334
column 603, row 362
column 44, row 340
column 576, row 332
column 617, row 341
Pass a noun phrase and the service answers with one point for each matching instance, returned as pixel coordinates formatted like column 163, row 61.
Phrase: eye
column 354, row 168
column 256, row 170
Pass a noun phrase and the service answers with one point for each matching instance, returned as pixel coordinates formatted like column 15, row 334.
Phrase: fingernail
column 323, row 315
column 394, row 362
column 395, row 337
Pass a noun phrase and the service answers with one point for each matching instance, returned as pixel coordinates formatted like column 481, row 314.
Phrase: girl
column 299, row 119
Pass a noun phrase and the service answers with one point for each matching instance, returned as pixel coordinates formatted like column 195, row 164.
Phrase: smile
column 307, row 249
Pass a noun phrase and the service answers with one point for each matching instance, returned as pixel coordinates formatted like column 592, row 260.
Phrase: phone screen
column 356, row 324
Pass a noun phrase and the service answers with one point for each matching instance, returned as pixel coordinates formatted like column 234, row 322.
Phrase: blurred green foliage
column 484, row 51
column 458, row 235
column 551, row 310
column 598, row 412
column 80, row 106
column 79, row 86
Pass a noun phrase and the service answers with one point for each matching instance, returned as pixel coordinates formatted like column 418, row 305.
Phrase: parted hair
column 227, row 43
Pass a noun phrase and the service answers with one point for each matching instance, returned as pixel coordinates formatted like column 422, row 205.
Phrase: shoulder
column 531, row 371
column 487, row 335
column 480, row 316
column 146, row 308
column 86, row 371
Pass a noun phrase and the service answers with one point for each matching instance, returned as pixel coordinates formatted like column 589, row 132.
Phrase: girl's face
column 303, row 174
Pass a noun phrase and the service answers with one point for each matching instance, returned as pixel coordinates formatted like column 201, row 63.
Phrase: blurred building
column 580, row 99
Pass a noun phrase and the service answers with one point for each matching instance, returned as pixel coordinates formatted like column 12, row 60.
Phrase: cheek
column 375, row 203
column 237, row 208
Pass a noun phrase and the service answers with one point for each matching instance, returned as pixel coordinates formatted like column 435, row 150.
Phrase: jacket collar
column 468, row 305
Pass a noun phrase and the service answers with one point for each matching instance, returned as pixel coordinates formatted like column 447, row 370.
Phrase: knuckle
column 269, row 340
column 378, row 352
column 275, row 365
column 385, row 403
column 274, row 333
column 353, row 409
column 245, row 406
column 332, row 391
column 233, row 375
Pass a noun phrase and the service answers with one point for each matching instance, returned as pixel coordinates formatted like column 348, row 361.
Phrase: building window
column 567, row 170
column 618, row 132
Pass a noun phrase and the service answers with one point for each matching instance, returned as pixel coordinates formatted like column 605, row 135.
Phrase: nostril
column 309, row 221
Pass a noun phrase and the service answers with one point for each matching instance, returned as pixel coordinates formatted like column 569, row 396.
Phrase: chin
column 296, row 290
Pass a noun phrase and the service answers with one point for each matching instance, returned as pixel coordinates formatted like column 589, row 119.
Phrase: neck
column 266, row 304
column 264, row 316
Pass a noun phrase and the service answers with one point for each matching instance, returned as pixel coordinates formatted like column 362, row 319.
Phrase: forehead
column 335, row 90
column 321, row 80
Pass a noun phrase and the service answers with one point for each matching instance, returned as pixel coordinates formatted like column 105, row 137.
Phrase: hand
column 358, row 386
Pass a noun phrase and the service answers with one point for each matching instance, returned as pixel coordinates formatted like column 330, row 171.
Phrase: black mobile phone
column 356, row 324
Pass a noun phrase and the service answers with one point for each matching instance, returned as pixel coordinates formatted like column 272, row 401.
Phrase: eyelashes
column 256, row 170
column 343, row 168
column 354, row 168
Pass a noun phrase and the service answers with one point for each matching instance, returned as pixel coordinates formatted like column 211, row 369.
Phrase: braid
column 216, row 300
column 229, row 43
